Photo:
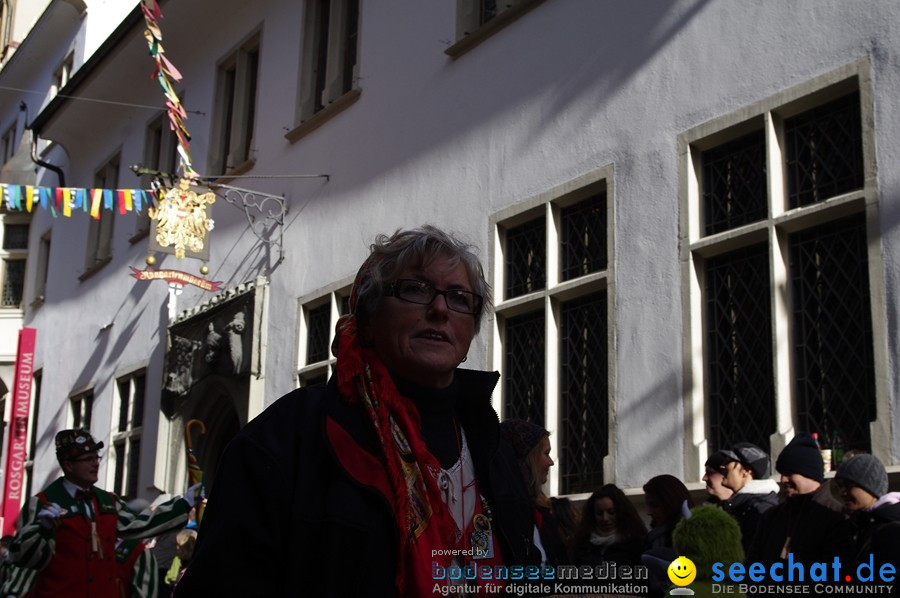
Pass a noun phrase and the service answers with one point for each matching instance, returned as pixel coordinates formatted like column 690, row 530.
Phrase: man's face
column 714, row 486
column 736, row 476
column 82, row 470
column 794, row 484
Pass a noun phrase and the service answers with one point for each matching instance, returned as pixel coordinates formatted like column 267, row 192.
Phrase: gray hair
column 416, row 247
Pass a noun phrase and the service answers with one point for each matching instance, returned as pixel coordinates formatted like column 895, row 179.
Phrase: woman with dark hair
column 531, row 445
column 665, row 496
column 667, row 500
column 610, row 529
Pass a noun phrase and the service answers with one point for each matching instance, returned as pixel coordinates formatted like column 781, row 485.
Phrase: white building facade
column 688, row 213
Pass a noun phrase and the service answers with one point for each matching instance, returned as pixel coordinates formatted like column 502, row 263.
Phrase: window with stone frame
column 235, row 110
column 161, row 155
column 476, row 20
column 778, row 261
column 329, row 62
column 8, row 144
column 62, row 74
column 100, row 230
column 33, row 431
column 551, row 275
column 14, row 254
column 81, row 409
column 128, row 422
column 318, row 317
column 7, row 15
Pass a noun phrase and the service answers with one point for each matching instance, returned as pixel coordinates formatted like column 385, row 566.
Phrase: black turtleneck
column 437, row 410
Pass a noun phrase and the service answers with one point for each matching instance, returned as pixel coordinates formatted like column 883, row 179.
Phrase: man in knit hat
column 809, row 523
column 874, row 512
column 746, row 471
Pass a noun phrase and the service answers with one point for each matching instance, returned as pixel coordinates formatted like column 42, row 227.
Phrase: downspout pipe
column 34, row 157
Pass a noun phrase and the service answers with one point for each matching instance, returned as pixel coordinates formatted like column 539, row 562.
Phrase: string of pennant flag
column 65, row 200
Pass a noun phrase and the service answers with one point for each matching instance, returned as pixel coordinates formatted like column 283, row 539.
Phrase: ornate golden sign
column 182, row 219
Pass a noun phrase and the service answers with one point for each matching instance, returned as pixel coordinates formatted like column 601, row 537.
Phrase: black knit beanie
column 802, row 456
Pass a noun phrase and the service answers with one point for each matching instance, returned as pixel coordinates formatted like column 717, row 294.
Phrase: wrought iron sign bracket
column 265, row 213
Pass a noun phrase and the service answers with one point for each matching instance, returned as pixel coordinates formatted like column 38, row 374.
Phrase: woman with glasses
column 388, row 480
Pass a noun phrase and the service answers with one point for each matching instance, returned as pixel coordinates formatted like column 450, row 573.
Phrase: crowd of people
column 399, row 470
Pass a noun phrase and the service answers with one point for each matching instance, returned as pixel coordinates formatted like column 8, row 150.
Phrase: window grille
column 835, row 379
column 734, row 183
column 524, row 368
column 824, row 152
column 583, row 238
column 15, row 236
column 82, row 408
column 526, row 258
column 126, row 437
column 13, row 282
column 741, row 393
column 318, row 333
column 584, row 415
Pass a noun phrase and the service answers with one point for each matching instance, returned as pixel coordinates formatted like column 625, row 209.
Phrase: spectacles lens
column 461, row 301
column 415, row 291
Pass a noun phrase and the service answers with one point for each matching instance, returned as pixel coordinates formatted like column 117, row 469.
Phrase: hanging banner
column 17, row 451
column 65, row 200
column 176, row 277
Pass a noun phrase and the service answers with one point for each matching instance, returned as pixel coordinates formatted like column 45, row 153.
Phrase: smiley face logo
column 682, row 571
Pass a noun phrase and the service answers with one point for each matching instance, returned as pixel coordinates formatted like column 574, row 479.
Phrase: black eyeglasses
column 422, row 293
column 96, row 458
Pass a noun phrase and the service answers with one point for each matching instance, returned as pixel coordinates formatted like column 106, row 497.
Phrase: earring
column 465, row 358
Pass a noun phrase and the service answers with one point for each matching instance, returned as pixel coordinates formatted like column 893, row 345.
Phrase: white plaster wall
column 570, row 87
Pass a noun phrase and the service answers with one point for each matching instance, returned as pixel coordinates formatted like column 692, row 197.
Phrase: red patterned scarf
column 422, row 517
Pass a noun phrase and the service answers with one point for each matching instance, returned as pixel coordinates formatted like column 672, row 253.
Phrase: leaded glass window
column 317, row 333
column 526, row 258
column 553, row 326
column 13, row 282
column 734, row 183
column 832, row 330
column 583, row 238
column 524, row 367
column 741, row 395
column 584, row 411
column 824, row 152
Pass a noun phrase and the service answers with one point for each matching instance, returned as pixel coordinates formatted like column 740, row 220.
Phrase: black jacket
column 815, row 524
column 300, row 505
column 748, row 506
column 876, row 533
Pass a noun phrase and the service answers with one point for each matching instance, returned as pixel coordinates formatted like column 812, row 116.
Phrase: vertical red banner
column 17, row 451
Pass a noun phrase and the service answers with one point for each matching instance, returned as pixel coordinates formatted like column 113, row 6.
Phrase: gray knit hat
column 867, row 472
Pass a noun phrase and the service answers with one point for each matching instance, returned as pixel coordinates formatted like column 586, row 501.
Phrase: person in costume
column 531, row 445
column 68, row 533
column 708, row 535
column 610, row 529
column 378, row 482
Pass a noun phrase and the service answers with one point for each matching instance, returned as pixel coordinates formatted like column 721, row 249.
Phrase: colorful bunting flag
column 64, row 200
column 164, row 71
